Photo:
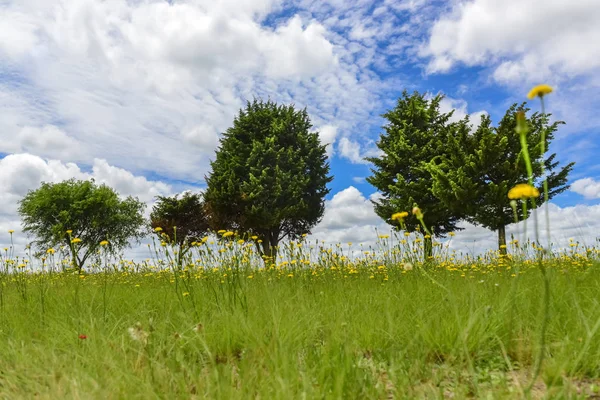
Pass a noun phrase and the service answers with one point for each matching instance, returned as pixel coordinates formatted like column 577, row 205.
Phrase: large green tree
column 415, row 133
column 479, row 166
column 93, row 213
column 270, row 175
column 183, row 218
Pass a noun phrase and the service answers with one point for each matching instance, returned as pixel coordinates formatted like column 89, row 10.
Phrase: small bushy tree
column 270, row 175
column 92, row 213
column 183, row 218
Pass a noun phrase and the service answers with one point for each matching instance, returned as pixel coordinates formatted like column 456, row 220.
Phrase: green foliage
column 186, row 214
column 270, row 175
column 479, row 166
column 94, row 213
column 415, row 134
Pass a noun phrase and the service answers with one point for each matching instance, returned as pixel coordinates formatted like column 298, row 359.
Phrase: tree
column 270, row 175
column 479, row 167
column 90, row 212
column 414, row 135
column 182, row 219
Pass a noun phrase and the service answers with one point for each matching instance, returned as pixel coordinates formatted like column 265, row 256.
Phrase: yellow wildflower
column 11, row 231
column 75, row 240
column 104, row 243
column 69, row 231
column 254, row 237
column 227, row 234
column 523, row 191
column 399, row 216
column 384, row 236
column 158, row 229
column 50, row 251
column 220, row 231
column 539, row 91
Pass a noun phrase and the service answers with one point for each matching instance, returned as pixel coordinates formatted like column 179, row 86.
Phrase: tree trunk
column 427, row 249
column 269, row 246
column 502, row 239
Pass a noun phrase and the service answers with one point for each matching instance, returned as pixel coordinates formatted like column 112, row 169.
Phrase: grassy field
column 368, row 329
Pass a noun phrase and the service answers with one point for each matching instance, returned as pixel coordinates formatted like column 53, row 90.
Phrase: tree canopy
column 415, row 133
column 92, row 213
column 270, row 175
column 479, row 166
column 183, row 218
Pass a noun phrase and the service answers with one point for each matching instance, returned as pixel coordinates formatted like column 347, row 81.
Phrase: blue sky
column 136, row 93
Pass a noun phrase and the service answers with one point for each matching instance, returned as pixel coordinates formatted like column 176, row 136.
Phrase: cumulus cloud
column 587, row 187
column 538, row 41
column 140, row 84
column 355, row 152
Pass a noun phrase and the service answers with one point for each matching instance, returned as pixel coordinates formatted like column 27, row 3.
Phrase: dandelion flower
column 523, row 191
column 158, row 229
column 539, row 91
column 138, row 334
column 221, row 231
column 76, row 240
column 11, row 231
column 399, row 216
column 227, row 234
column 104, row 243
column 50, row 251
column 69, row 231
column 407, row 266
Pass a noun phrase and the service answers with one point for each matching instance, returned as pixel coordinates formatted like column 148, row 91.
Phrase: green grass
column 333, row 334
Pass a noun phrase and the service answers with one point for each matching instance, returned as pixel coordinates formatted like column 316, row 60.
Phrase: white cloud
column 459, row 106
column 355, row 152
column 131, row 81
column 349, row 217
column 522, row 40
column 587, row 187
column 328, row 134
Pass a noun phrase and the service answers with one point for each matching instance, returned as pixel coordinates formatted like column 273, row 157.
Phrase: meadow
column 324, row 321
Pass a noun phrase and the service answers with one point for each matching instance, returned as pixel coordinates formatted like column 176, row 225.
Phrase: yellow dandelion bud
column 75, row 240
column 417, row 212
column 523, row 191
column 158, row 229
column 399, row 216
column 539, row 91
column 104, row 243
